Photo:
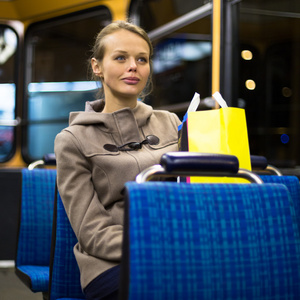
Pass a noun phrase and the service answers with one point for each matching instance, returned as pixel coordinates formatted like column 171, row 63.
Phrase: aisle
column 11, row 288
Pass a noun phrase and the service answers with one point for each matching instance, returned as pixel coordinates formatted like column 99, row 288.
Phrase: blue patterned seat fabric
column 210, row 241
column 35, row 228
column 293, row 185
column 65, row 276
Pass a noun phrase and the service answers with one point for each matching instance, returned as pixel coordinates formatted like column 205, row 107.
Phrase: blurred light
column 286, row 92
column 8, row 94
column 250, row 84
column 284, row 138
column 246, row 55
column 193, row 51
column 75, row 86
column 8, row 45
column 173, row 52
column 241, row 103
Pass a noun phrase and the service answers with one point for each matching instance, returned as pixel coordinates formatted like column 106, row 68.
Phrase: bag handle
column 196, row 101
column 217, row 96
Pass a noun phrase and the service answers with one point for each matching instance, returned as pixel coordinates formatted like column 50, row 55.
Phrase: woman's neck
column 112, row 105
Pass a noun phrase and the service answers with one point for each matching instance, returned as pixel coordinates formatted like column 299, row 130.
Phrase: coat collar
column 109, row 121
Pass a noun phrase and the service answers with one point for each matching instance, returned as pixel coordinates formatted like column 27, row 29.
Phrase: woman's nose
column 132, row 65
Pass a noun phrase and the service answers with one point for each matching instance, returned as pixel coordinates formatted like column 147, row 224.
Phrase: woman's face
column 125, row 67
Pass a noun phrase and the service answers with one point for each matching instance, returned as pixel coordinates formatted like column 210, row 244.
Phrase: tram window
column 272, row 30
column 181, row 67
column 279, row 79
column 182, row 57
column 56, row 79
column 8, row 48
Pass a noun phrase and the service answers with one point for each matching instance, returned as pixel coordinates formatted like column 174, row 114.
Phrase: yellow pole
column 216, row 46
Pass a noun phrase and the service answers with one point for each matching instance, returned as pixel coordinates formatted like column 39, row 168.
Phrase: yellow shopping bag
column 222, row 131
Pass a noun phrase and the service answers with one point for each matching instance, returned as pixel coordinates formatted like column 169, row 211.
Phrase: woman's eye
column 120, row 58
column 142, row 59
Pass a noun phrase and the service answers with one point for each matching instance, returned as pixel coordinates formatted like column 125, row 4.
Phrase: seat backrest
column 36, row 214
column 209, row 241
column 293, row 185
column 64, row 271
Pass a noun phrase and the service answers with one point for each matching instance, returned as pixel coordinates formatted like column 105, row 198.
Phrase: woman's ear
column 96, row 67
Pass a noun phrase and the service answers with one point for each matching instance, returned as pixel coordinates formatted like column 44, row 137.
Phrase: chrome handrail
column 11, row 123
column 159, row 171
column 184, row 20
column 273, row 170
column 36, row 164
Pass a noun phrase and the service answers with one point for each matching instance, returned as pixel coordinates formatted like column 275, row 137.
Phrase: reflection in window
column 8, row 46
column 174, row 52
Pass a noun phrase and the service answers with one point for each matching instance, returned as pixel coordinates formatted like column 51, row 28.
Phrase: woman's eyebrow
column 123, row 51
column 120, row 51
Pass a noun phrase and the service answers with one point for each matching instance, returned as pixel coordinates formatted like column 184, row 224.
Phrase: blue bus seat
column 293, row 185
column 35, row 228
column 209, row 241
column 64, row 271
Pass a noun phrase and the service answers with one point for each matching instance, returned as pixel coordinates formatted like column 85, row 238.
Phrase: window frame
column 18, row 29
column 99, row 11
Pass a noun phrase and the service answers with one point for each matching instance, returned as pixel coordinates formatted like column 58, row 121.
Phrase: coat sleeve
column 96, row 232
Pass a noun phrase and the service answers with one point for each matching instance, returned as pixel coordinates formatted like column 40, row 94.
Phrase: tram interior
column 43, row 76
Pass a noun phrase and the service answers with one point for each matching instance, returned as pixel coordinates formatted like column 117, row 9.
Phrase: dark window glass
column 57, row 82
column 8, row 50
column 269, row 78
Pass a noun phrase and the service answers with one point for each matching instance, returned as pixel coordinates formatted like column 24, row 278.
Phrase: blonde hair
column 98, row 50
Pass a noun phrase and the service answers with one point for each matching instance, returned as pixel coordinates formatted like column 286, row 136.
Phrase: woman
column 107, row 145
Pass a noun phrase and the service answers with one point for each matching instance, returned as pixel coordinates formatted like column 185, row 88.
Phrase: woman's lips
column 131, row 80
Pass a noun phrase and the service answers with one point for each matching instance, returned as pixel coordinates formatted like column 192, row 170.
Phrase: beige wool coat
column 91, row 176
